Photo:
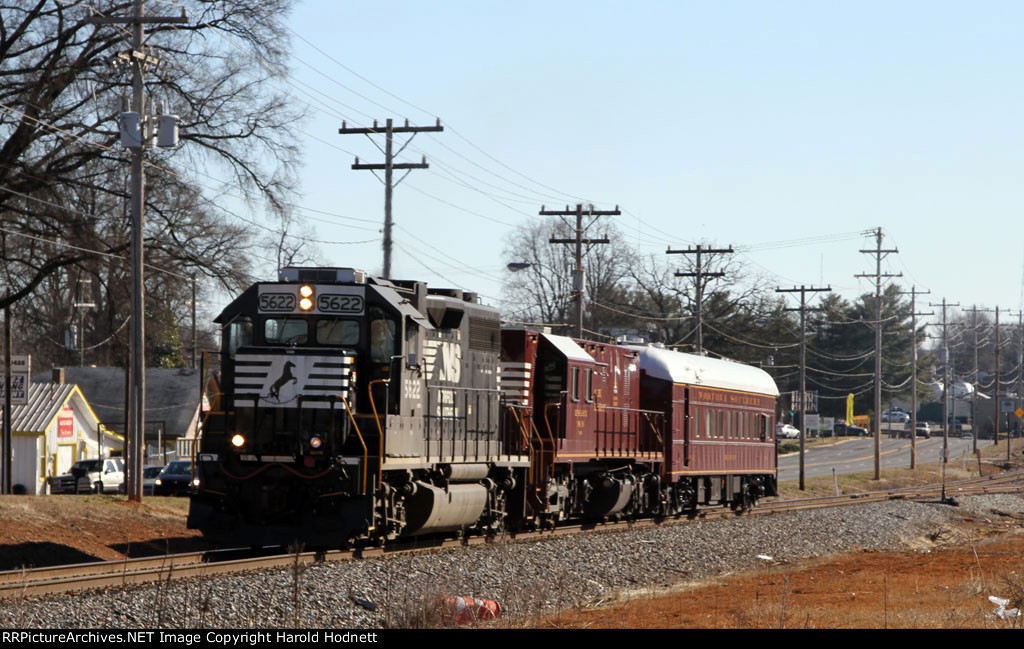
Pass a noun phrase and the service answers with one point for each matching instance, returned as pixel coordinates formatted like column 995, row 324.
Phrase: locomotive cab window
column 285, row 331
column 335, row 331
column 382, row 339
column 575, row 384
column 590, row 386
column 239, row 334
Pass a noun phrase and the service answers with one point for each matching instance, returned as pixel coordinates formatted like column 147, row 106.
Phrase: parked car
column 895, row 416
column 149, row 474
column 856, row 431
column 175, row 479
column 91, row 476
column 786, row 431
column 966, row 435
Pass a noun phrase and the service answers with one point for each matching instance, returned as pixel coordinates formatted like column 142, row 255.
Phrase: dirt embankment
column 49, row 530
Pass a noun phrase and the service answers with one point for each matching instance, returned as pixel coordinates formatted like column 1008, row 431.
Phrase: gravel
column 526, row 578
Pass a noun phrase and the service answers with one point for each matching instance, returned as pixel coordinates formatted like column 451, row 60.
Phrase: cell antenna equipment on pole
column 138, row 130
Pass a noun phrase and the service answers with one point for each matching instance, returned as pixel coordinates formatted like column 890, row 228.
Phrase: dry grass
column 945, row 588
column 944, row 584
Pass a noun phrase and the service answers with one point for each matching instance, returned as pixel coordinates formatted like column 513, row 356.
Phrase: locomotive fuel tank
column 432, row 509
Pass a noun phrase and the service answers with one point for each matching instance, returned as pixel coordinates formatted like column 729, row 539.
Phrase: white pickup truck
column 91, row 476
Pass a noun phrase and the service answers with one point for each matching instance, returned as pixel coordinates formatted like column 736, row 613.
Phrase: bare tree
column 542, row 291
column 63, row 171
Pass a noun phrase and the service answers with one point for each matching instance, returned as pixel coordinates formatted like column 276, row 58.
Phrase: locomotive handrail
column 359, row 434
column 449, row 417
column 380, row 429
column 657, row 433
column 522, row 429
column 547, row 424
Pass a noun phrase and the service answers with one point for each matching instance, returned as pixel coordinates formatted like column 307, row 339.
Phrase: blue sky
column 731, row 123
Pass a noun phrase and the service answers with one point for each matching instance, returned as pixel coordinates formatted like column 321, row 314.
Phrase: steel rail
column 124, row 572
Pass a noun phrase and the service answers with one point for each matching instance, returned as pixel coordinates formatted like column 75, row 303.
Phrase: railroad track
column 106, row 574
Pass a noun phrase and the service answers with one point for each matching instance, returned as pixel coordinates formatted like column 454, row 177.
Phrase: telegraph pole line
column 1009, row 437
column 135, row 134
column 1020, row 364
column 913, row 293
column 389, row 166
column 578, row 241
column 699, row 274
column 974, row 391
column 803, row 291
column 998, row 400
column 879, row 254
column 945, row 389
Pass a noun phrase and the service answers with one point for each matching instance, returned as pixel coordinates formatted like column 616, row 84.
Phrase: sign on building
column 21, row 369
column 66, row 423
column 812, row 400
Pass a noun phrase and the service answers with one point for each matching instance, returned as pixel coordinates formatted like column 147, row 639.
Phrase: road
column 855, row 454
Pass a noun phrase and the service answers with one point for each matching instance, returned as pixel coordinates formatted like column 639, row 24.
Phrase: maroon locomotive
column 615, row 429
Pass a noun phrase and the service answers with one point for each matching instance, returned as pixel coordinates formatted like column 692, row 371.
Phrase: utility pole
column 1009, row 436
column 135, row 133
column 83, row 302
column 913, row 293
column 879, row 254
column 945, row 388
column 6, row 465
column 999, row 402
column 192, row 364
column 389, row 166
column 974, row 391
column 803, row 290
column 699, row 274
column 578, row 283
column 1020, row 365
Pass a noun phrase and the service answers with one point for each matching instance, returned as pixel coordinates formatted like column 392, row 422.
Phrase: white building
column 55, row 429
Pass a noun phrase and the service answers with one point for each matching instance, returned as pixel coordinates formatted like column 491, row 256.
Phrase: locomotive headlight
column 315, row 442
column 305, row 297
column 195, row 482
column 237, row 440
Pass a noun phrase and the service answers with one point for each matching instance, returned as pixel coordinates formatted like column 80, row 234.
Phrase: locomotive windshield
column 285, row 331
column 335, row 331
